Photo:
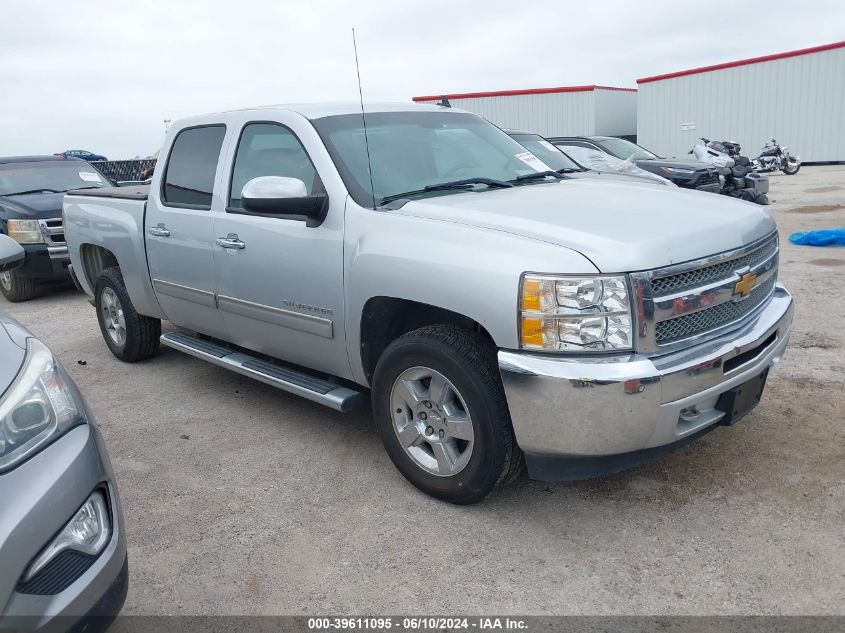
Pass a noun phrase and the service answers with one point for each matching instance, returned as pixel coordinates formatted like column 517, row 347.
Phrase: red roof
column 743, row 62
column 528, row 91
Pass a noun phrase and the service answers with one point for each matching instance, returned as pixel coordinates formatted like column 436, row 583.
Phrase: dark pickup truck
column 31, row 192
column 688, row 173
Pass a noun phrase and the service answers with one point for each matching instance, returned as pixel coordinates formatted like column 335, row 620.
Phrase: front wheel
column 790, row 167
column 130, row 336
column 16, row 288
column 442, row 416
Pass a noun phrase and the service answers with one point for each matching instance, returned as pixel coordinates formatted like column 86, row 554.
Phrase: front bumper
column 580, row 417
column 39, row 497
column 45, row 262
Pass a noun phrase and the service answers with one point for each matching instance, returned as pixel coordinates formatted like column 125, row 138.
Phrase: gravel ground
column 240, row 499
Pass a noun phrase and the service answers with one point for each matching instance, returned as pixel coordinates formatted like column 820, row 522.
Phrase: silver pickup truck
column 495, row 311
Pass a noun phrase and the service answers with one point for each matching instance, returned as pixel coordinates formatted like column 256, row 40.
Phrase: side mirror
column 12, row 254
column 279, row 196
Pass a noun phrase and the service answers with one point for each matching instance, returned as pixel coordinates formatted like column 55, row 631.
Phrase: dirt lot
column 240, row 499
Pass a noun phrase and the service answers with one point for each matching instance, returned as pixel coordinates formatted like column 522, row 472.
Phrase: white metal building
column 798, row 97
column 563, row 111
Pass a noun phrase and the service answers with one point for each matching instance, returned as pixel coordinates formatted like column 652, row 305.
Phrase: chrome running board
column 294, row 381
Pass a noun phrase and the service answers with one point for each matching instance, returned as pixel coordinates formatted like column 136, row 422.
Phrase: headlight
column 677, row 171
column 38, row 407
column 575, row 313
column 25, row 231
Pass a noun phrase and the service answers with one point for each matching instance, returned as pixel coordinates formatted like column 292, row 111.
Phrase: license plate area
column 739, row 401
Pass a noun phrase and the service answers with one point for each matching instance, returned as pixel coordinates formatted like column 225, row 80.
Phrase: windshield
column 51, row 175
column 626, row 150
column 410, row 151
column 546, row 152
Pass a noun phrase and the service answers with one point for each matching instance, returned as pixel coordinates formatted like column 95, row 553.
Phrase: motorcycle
column 736, row 175
column 774, row 157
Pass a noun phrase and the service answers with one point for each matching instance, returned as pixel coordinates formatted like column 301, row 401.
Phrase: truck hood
column 620, row 227
column 37, row 206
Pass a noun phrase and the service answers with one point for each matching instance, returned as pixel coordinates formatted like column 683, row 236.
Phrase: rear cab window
column 192, row 166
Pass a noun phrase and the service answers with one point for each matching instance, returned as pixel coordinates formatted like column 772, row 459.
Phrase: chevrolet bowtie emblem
column 745, row 285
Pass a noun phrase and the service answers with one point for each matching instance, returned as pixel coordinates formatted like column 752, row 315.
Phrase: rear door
column 180, row 230
column 280, row 291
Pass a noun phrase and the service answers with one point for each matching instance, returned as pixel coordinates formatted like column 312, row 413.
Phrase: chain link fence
column 119, row 171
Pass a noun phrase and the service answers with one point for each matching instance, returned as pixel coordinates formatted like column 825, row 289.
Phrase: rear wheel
column 16, row 288
column 441, row 413
column 130, row 336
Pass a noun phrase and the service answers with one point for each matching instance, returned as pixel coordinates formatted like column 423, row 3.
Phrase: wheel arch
column 384, row 319
column 95, row 259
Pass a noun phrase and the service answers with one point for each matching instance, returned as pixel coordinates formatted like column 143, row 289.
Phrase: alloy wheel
column 113, row 319
column 431, row 421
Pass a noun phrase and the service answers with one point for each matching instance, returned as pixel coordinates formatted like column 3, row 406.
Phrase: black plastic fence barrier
column 126, row 170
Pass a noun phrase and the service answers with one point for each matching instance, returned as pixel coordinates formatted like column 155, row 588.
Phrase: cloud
column 102, row 76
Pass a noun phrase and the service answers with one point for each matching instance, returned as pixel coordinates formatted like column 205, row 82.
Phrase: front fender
column 469, row 270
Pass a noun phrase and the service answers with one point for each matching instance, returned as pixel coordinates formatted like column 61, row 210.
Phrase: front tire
column 130, row 336
column 441, row 412
column 16, row 288
column 790, row 169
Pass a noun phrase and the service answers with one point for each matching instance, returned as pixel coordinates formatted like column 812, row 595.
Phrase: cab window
column 191, row 167
column 270, row 149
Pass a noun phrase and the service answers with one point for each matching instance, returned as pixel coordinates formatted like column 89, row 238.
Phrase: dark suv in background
column 31, row 192
column 684, row 172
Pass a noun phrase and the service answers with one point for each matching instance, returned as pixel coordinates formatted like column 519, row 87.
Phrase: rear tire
column 130, row 336
column 16, row 288
column 458, row 409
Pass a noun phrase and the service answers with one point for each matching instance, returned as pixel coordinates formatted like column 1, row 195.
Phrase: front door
column 180, row 231
column 280, row 282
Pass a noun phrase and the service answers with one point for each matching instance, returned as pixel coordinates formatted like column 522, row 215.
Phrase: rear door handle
column 159, row 230
column 231, row 241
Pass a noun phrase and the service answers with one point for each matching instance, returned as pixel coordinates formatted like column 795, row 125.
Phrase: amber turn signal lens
column 532, row 332
column 531, row 294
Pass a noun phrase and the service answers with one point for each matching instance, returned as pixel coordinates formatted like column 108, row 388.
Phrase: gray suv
column 62, row 542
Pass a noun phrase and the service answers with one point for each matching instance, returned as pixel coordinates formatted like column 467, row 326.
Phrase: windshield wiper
column 569, row 170
column 466, row 183
column 537, row 176
column 42, row 190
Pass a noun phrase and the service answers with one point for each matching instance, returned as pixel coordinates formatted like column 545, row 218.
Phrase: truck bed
column 134, row 192
column 107, row 224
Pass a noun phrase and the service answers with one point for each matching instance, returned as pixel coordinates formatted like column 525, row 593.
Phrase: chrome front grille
column 715, row 272
column 686, row 303
column 691, row 324
column 53, row 232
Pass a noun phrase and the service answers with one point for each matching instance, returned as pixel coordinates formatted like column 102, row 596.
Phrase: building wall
column 550, row 114
column 798, row 100
column 616, row 112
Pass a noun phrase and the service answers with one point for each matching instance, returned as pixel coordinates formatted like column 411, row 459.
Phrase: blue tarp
column 822, row 237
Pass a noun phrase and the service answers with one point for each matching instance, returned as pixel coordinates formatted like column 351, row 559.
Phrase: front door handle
column 231, row 241
column 159, row 230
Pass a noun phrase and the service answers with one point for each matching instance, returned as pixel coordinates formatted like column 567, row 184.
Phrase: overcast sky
column 102, row 75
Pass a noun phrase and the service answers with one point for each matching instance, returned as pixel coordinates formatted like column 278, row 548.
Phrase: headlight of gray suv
column 575, row 314
column 39, row 407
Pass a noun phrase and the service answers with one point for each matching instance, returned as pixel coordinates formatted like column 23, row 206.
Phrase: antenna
column 364, row 120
